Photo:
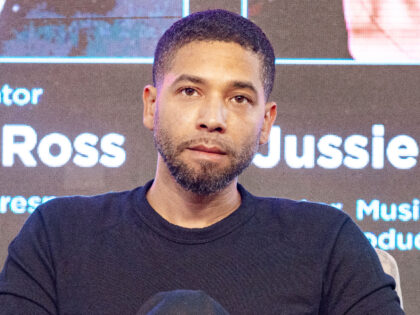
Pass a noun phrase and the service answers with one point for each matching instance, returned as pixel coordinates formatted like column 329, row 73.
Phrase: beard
column 209, row 178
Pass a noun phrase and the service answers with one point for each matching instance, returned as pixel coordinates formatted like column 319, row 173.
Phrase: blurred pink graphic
column 383, row 30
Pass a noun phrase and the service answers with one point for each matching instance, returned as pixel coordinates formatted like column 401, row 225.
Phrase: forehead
column 216, row 60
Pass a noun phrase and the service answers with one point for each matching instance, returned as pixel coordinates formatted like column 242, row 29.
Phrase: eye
column 240, row 99
column 189, row 91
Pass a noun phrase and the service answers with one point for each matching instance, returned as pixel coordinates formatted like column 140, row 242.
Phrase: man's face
column 209, row 114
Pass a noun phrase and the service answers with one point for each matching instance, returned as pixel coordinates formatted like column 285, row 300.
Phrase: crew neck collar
column 181, row 234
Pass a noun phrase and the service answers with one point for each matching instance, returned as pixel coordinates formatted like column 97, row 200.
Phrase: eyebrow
column 197, row 80
column 244, row 85
column 191, row 78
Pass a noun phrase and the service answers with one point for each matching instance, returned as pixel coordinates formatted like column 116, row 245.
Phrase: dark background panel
column 107, row 98
column 304, row 28
column 200, row 5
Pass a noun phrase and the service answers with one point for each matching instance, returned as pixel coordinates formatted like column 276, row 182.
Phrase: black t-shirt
column 109, row 254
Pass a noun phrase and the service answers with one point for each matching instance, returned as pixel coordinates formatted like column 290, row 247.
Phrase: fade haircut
column 215, row 25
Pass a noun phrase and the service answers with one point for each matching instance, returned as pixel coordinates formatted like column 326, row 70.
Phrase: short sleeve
column 27, row 279
column 354, row 281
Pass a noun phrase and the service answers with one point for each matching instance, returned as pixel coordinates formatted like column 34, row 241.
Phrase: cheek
column 171, row 118
column 175, row 110
column 247, row 131
column 177, row 127
column 250, row 125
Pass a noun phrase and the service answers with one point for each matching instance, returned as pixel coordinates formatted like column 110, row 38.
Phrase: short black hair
column 215, row 25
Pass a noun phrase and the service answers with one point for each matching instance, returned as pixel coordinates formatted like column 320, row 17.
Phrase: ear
column 149, row 106
column 269, row 118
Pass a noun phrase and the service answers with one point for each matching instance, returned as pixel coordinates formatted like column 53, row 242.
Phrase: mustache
column 224, row 145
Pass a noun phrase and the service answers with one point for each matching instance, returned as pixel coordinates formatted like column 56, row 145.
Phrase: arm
column 27, row 279
column 354, row 282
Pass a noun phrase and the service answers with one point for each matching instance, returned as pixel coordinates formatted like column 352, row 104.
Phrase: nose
column 212, row 116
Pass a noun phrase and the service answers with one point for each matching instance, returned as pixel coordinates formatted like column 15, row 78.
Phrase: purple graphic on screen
column 112, row 28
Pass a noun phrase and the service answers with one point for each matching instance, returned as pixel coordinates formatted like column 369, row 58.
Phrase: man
column 193, row 233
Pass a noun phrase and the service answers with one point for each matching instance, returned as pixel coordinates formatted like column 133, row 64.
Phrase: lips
column 208, row 149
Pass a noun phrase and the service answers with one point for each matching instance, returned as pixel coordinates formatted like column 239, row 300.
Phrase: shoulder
column 305, row 224
column 89, row 203
column 299, row 212
column 84, row 212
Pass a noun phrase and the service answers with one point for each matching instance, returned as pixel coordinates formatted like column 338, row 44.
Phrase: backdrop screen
column 347, row 89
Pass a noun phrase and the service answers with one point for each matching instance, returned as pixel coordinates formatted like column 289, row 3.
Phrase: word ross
column 19, row 96
column 21, row 205
column 381, row 211
column 401, row 151
column 394, row 240
column 20, row 140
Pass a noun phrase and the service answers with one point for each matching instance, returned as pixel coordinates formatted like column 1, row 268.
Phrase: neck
column 187, row 209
